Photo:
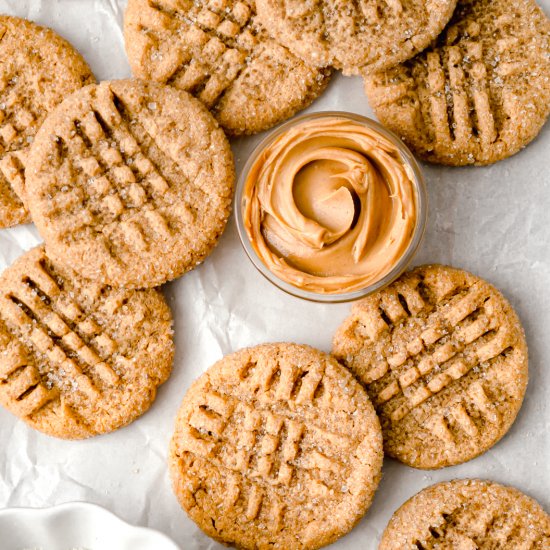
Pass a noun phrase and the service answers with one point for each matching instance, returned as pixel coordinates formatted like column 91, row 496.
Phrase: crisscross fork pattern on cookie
column 57, row 348
column 461, row 98
column 466, row 526
column 269, row 446
column 421, row 339
column 122, row 192
column 18, row 120
column 213, row 42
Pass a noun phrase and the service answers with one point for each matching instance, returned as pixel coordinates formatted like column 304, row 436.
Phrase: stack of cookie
column 77, row 357
column 460, row 86
column 130, row 184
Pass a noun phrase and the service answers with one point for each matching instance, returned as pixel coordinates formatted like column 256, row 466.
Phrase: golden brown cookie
column 480, row 93
column 130, row 183
column 216, row 50
column 38, row 69
column 357, row 37
column 443, row 358
column 78, row 358
column 276, row 446
column 468, row 514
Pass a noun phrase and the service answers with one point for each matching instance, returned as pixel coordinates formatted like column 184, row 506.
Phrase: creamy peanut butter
column 329, row 206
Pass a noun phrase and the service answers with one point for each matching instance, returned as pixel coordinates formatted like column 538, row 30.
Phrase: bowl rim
column 70, row 506
column 404, row 261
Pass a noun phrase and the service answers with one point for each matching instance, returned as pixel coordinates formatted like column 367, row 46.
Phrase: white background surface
column 493, row 221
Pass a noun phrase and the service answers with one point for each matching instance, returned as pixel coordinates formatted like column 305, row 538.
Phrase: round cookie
column 38, row 69
column 216, row 50
column 357, row 37
column 480, row 93
column 468, row 514
column 443, row 358
column 130, row 183
column 276, row 446
column 78, row 358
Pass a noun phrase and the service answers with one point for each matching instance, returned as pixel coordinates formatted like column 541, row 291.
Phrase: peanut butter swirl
column 329, row 206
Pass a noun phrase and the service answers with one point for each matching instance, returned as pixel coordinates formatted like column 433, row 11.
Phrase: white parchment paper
column 494, row 221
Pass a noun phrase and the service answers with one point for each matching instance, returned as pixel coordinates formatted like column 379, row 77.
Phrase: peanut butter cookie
column 216, row 50
column 276, row 446
column 78, row 358
column 468, row 514
column 130, row 183
column 38, row 69
column 443, row 357
column 357, row 37
column 480, row 93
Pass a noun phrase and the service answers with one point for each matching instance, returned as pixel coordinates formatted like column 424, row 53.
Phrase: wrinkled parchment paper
column 493, row 221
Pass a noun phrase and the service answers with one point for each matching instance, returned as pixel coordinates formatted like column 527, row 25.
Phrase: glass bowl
column 403, row 262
